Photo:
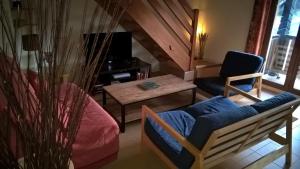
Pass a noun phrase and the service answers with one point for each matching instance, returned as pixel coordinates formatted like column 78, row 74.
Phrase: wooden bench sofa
column 231, row 139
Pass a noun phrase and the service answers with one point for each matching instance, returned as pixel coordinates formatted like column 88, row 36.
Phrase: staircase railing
column 181, row 20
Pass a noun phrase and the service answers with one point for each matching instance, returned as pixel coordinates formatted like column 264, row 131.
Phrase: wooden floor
column 133, row 156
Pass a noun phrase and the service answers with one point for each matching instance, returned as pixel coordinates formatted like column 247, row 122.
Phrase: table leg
column 103, row 98
column 194, row 96
column 122, row 127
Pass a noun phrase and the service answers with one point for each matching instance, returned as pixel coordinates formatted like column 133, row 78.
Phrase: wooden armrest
column 207, row 70
column 258, row 85
column 241, row 77
column 147, row 112
column 239, row 91
column 208, row 66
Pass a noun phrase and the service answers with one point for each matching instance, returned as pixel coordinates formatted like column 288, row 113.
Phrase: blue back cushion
column 239, row 63
column 206, row 124
column 214, row 105
column 275, row 101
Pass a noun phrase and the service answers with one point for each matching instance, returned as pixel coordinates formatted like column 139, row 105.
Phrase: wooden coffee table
column 129, row 93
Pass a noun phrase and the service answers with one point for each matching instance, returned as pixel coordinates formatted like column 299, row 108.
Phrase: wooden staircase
column 166, row 28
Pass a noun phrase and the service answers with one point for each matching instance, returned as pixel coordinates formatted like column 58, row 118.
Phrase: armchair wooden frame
column 233, row 139
column 214, row 70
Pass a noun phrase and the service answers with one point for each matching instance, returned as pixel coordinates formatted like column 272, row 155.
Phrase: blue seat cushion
column 213, row 105
column 181, row 122
column 275, row 101
column 239, row 63
column 216, row 85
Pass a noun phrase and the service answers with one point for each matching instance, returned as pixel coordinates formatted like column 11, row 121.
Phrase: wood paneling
column 186, row 7
column 180, row 14
column 151, row 24
column 173, row 23
column 143, row 38
column 164, row 27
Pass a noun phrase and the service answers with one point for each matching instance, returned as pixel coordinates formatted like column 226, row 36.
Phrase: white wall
column 227, row 24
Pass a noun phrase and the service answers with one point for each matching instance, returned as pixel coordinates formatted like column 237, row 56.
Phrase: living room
column 126, row 84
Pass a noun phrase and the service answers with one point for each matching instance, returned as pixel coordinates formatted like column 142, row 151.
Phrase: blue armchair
column 239, row 71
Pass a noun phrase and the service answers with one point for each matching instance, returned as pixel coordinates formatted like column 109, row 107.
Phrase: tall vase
column 202, row 43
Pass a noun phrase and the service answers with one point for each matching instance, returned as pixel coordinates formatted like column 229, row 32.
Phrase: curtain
column 262, row 17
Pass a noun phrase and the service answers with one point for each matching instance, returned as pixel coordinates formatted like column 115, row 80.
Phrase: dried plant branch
column 45, row 120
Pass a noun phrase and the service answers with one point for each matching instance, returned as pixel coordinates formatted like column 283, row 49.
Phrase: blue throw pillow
column 180, row 121
column 214, row 105
column 273, row 102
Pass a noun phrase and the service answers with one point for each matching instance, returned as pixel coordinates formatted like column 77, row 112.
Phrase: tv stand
column 120, row 72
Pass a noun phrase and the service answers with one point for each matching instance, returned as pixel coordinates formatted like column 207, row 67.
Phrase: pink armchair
column 97, row 141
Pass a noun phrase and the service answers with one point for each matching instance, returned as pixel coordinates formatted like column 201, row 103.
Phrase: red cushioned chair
column 97, row 141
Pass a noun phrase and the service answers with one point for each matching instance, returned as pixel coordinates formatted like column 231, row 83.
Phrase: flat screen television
column 117, row 52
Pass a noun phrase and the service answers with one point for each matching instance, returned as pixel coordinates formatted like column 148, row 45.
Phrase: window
column 282, row 60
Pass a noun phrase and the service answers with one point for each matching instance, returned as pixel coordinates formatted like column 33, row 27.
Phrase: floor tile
column 281, row 160
column 296, row 147
column 228, row 164
column 296, row 165
column 296, row 133
column 268, row 148
column 281, row 131
column 243, row 154
column 272, row 166
column 297, row 113
column 260, row 145
column 249, row 159
column 296, row 123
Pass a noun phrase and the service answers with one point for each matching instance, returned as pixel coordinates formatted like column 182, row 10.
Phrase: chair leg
column 198, row 163
column 289, row 125
column 259, row 86
column 143, row 118
column 226, row 91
